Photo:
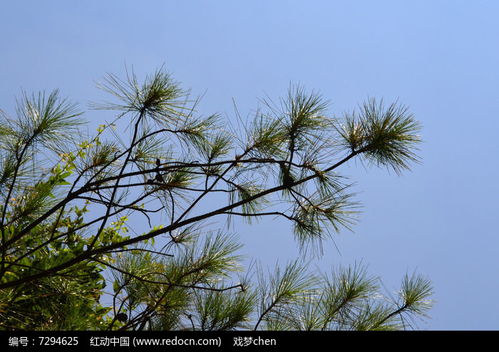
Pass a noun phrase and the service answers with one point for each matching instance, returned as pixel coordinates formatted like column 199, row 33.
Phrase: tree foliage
column 110, row 231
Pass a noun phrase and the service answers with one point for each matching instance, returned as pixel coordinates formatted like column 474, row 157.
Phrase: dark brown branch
column 95, row 251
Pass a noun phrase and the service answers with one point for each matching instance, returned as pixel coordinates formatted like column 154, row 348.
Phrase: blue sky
column 440, row 58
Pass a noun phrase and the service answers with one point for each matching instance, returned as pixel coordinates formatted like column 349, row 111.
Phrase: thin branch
column 165, row 283
column 95, row 251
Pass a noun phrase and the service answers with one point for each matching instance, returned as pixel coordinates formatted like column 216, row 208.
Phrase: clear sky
column 440, row 58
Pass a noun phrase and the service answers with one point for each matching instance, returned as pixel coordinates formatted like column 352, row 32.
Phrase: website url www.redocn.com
column 176, row 341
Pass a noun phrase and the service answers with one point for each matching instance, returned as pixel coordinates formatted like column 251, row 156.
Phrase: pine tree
column 70, row 207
